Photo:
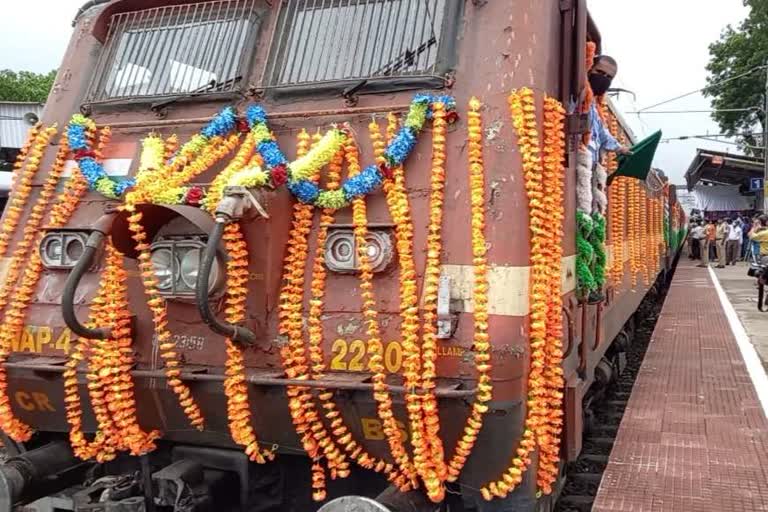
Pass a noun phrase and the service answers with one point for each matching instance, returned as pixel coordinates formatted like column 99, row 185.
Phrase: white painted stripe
column 508, row 287
column 748, row 353
column 112, row 166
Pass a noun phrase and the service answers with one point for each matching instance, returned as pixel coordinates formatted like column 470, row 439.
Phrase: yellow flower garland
column 23, row 186
column 235, row 385
column 523, row 109
column 309, row 427
column 14, row 318
column 554, row 174
column 374, row 345
column 481, row 340
column 33, row 223
column 18, row 165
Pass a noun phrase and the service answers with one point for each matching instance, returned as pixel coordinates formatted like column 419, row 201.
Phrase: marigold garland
column 21, row 157
column 235, row 385
column 374, row 345
column 309, row 427
column 523, row 110
column 481, row 339
column 13, row 323
column 110, row 384
column 23, row 185
column 34, row 221
column 554, row 174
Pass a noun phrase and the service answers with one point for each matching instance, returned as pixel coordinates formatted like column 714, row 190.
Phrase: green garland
column 585, row 254
column 597, row 240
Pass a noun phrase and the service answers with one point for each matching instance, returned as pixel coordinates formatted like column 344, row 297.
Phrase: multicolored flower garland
column 220, row 126
column 85, row 156
column 298, row 172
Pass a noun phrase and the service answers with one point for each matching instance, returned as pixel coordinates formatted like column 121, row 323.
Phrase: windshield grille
column 184, row 49
column 334, row 40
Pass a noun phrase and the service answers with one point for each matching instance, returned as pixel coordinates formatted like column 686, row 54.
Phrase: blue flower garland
column 369, row 179
column 85, row 157
column 221, row 124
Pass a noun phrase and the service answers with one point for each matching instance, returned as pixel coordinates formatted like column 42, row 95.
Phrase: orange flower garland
column 554, row 174
column 157, row 306
column 399, row 208
column 375, row 347
column 309, row 426
column 13, row 323
column 110, row 384
column 235, row 385
column 18, row 165
column 435, row 472
column 634, row 233
column 337, row 427
column 644, row 228
column 481, row 340
column 523, row 109
column 23, row 187
column 33, row 223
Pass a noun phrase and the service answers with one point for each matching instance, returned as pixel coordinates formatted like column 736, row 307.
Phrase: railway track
column 602, row 419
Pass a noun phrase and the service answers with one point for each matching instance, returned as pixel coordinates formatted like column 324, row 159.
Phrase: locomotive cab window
column 189, row 49
column 338, row 41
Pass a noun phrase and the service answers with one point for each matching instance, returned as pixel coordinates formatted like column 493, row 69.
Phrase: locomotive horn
column 99, row 231
column 237, row 202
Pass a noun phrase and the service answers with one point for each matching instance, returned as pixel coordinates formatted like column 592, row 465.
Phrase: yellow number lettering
column 357, row 349
column 372, row 429
column 16, row 340
column 44, row 337
column 24, row 400
column 27, row 343
column 62, row 342
column 43, row 402
column 393, row 357
column 339, row 350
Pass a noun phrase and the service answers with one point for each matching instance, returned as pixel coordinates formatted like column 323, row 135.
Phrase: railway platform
column 694, row 435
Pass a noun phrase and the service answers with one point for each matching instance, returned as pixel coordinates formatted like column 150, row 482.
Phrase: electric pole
column 765, row 145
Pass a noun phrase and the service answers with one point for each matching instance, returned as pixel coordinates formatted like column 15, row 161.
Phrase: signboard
column 755, row 184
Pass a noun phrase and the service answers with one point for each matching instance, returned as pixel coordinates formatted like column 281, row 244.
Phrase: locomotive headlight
column 176, row 264
column 62, row 249
column 164, row 263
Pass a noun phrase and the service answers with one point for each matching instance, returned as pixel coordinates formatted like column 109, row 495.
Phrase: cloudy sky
column 661, row 51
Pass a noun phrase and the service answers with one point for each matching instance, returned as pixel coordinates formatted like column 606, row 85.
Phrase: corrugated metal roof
column 13, row 129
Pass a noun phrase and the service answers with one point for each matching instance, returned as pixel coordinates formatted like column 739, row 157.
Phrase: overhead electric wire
column 695, row 111
column 716, row 84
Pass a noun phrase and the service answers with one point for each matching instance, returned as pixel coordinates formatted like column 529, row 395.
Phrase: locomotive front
column 292, row 238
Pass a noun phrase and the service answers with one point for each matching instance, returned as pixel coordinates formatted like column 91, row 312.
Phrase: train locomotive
column 314, row 255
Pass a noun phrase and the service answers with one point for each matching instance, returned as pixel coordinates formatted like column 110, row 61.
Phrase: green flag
column 638, row 164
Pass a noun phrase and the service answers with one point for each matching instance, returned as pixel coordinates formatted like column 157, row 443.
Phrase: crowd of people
column 726, row 241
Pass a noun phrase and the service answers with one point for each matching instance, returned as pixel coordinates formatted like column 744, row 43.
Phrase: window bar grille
column 178, row 49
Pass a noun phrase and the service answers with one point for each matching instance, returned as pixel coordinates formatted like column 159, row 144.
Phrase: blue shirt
column 601, row 139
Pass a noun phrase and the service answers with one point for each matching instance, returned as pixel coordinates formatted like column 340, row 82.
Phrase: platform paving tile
column 694, row 436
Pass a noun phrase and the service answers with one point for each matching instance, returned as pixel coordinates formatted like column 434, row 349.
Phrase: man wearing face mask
column 601, row 76
column 591, row 177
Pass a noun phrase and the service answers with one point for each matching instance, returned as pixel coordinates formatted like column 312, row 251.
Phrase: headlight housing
column 61, row 249
column 176, row 263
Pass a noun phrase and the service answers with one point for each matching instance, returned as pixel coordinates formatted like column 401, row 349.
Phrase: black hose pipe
column 236, row 333
column 70, row 287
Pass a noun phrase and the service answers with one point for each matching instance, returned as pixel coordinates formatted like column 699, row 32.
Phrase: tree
column 741, row 51
column 25, row 85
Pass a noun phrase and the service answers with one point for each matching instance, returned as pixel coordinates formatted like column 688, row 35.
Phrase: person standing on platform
column 733, row 243
column 697, row 239
column 721, row 235
column 759, row 236
column 709, row 242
